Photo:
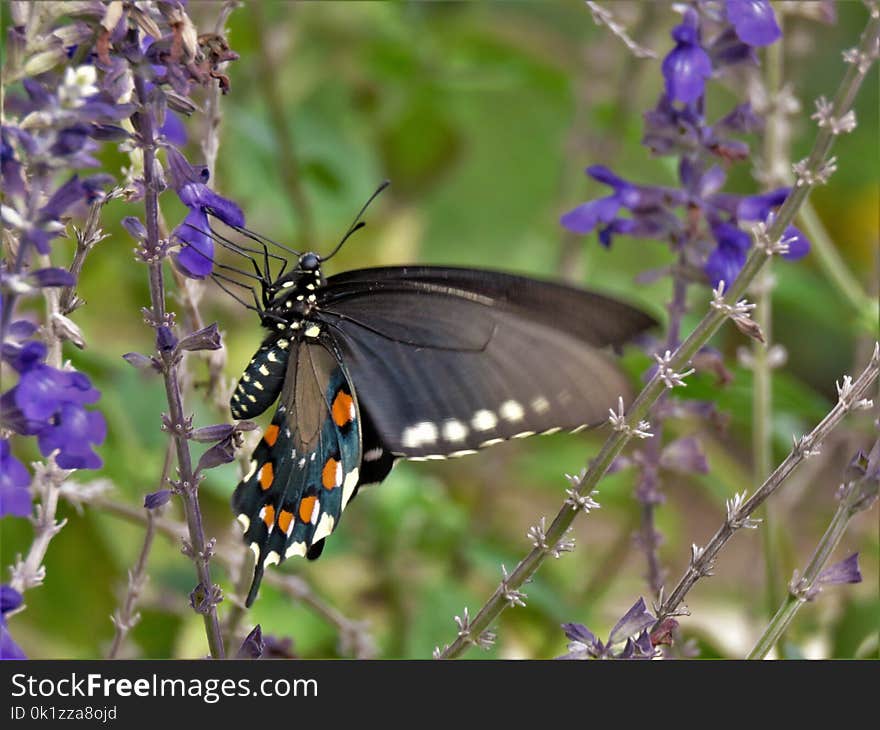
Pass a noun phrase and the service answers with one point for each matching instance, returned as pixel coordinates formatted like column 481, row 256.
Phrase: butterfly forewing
column 441, row 401
column 306, row 467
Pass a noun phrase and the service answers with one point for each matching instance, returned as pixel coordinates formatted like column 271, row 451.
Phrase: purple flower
column 647, row 203
column 49, row 403
column 753, row 21
column 631, row 631
column 196, row 259
column 10, row 599
column 15, row 495
column 687, row 66
column 798, row 244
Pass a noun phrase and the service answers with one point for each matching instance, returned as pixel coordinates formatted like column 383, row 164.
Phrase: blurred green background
column 483, row 116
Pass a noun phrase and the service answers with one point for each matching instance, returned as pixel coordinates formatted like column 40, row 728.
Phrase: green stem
column 707, row 327
column 800, row 593
column 762, row 386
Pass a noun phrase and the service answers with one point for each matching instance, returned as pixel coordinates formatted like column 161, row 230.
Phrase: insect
column 411, row 362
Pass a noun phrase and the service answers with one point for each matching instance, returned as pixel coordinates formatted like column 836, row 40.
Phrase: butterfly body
column 422, row 363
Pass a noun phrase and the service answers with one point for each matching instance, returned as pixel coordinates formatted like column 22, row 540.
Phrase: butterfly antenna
column 357, row 224
column 260, row 238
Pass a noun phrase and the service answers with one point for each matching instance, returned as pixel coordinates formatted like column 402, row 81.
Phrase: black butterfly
column 412, row 362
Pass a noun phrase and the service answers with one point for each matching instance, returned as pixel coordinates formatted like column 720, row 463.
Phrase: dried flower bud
column 157, row 499
column 207, row 338
column 252, row 647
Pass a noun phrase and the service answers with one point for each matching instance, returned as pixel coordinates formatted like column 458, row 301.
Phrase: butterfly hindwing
column 305, row 469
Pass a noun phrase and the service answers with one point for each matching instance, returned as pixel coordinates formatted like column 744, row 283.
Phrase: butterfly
column 404, row 362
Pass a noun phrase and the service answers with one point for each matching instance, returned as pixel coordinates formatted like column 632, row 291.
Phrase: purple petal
column 586, row 217
column 685, row 70
column 71, row 192
column 603, row 175
column 222, row 208
column 724, row 264
column 731, row 237
column 758, row 207
column 135, row 228
column 753, row 21
column 798, row 244
column 634, row 621
column 711, row 182
column 10, row 599
column 846, row 571
column 21, row 329
column 196, row 259
column 174, row 130
column 53, row 276
column 27, row 356
column 579, row 632
column 15, row 495
column 220, row 453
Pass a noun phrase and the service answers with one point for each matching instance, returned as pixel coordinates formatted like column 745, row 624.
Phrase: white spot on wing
column 315, row 511
column 511, row 411
column 245, row 521
column 255, row 549
column 351, row 480
column 484, row 420
column 454, row 430
column 283, row 344
column 463, row 452
column 264, row 370
column 491, row 442
column 252, row 470
column 373, row 454
column 523, row 434
column 271, row 356
column 540, row 404
column 419, row 435
column 297, row 548
column 272, row 558
column 324, row 528
column 313, row 331
column 258, row 385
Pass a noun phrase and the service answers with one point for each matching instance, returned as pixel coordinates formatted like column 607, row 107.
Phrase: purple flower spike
column 10, row 599
column 687, row 66
column 15, row 496
column 753, row 21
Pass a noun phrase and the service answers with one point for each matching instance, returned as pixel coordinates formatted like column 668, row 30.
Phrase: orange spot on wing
column 267, row 475
column 328, row 474
column 306, row 505
column 342, row 408
column 284, row 518
column 269, row 515
column 271, row 435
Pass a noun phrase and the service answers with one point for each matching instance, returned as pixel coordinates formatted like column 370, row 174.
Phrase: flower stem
column 802, row 589
column 707, row 327
column 198, row 547
column 125, row 618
